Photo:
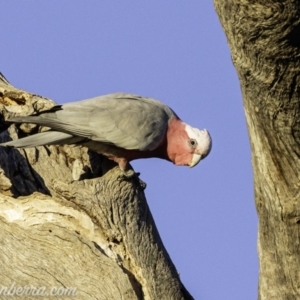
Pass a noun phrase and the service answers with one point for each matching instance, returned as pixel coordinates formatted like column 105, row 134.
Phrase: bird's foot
column 130, row 174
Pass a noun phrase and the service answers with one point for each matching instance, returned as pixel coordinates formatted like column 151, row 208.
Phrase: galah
column 122, row 127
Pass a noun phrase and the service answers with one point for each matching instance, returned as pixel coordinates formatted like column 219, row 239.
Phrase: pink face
column 186, row 145
column 184, row 152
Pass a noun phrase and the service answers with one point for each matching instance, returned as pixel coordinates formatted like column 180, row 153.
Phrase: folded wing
column 124, row 120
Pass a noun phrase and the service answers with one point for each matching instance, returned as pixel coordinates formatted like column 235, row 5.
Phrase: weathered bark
column 264, row 38
column 69, row 219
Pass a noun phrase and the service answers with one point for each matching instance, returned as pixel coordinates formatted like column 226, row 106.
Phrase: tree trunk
column 70, row 223
column 264, row 38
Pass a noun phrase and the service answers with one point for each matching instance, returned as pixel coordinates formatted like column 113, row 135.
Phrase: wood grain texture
column 70, row 219
column 264, row 41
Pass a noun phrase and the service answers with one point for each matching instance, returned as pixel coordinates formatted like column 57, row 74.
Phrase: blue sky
column 174, row 51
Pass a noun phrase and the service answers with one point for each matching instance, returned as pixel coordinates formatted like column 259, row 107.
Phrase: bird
column 123, row 127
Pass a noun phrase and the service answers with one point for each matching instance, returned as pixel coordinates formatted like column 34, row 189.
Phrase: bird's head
column 187, row 145
column 199, row 143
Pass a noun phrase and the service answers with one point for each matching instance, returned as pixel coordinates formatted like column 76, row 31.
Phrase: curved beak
column 195, row 160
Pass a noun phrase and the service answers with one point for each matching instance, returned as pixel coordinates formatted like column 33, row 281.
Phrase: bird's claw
column 143, row 184
column 130, row 174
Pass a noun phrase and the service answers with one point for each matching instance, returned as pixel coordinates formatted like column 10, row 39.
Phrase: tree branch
column 81, row 224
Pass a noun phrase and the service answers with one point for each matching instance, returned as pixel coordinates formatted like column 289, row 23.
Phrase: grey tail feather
column 44, row 138
column 26, row 119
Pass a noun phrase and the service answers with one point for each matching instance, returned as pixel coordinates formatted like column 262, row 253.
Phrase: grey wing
column 124, row 120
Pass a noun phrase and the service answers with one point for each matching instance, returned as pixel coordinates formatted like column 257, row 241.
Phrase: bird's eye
column 193, row 143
